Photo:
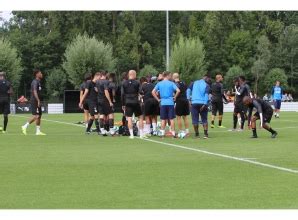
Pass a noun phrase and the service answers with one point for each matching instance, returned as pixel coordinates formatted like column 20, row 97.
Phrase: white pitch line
column 200, row 151
column 226, row 156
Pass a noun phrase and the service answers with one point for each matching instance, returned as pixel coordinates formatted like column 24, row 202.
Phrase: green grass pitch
column 67, row 169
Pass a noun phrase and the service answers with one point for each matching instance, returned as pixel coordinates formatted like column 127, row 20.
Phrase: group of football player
column 165, row 96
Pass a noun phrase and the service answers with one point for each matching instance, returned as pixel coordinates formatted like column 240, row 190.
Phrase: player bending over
column 264, row 113
column 5, row 92
column 35, row 103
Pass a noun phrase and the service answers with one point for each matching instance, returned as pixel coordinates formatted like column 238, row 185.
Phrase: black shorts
column 4, row 107
column 133, row 108
column 93, row 107
column 151, row 107
column 217, row 106
column 104, row 108
column 35, row 109
column 266, row 116
column 182, row 107
column 85, row 106
column 240, row 108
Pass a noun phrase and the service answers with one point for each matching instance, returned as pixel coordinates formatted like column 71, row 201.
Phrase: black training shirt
column 4, row 89
column 92, row 91
column 244, row 90
column 102, row 85
column 183, row 88
column 146, row 91
column 130, row 92
column 36, row 86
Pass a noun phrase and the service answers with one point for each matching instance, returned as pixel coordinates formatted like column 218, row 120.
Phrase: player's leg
column 204, row 118
column 186, row 124
column 86, row 113
column 154, row 124
column 164, row 119
column 266, row 124
column 34, row 110
column 172, row 116
column 111, row 123
column 128, row 114
column 253, row 125
column 220, row 114
column 213, row 115
column 6, row 112
column 179, row 122
column 278, row 105
column 93, row 111
column 38, row 122
column 195, row 119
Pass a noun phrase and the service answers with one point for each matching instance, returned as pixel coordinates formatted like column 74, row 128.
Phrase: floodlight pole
column 167, row 43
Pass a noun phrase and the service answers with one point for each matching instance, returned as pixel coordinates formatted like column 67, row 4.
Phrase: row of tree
column 263, row 46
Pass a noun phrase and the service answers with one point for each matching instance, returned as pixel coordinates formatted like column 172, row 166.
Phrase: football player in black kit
column 217, row 100
column 182, row 105
column 35, row 103
column 90, row 95
column 241, row 91
column 130, row 102
column 151, row 106
column 5, row 92
column 264, row 113
column 88, row 76
column 105, row 105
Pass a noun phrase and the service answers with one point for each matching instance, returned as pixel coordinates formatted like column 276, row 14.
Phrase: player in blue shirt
column 166, row 90
column 198, row 97
column 277, row 92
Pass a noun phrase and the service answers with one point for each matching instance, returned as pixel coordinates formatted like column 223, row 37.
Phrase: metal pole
column 167, row 43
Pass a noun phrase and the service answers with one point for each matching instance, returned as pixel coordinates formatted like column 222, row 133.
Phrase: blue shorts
column 167, row 112
column 277, row 104
column 198, row 110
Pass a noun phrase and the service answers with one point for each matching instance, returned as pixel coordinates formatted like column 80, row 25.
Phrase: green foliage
column 188, row 58
column 239, row 48
column 10, row 62
column 260, row 65
column 273, row 75
column 55, row 83
column 233, row 72
column 148, row 70
column 86, row 54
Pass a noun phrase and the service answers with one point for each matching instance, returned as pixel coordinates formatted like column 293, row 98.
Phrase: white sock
column 37, row 129
column 187, row 131
column 86, row 124
column 26, row 125
column 162, row 132
column 147, row 128
column 141, row 132
column 154, row 126
column 131, row 132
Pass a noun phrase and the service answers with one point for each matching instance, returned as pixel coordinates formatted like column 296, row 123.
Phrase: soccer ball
column 181, row 135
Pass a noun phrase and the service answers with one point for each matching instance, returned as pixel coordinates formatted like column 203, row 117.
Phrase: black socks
column 90, row 123
column 5, row 122
column 235, row 121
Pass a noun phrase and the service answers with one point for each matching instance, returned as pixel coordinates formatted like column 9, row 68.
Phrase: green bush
column 148, row 70
column 10, row 62
column 55, row 83
column 87, row 54
column 188, row 58
column 233, row 72
column 274, row 75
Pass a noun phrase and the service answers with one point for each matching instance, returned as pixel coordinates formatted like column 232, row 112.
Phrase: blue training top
column 277, row 92
column 198, row 92
column 166, row 91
